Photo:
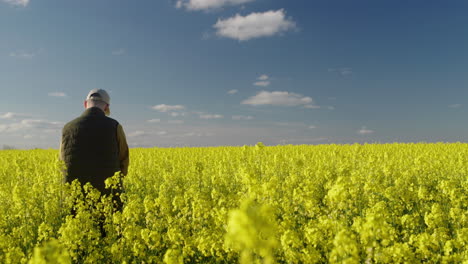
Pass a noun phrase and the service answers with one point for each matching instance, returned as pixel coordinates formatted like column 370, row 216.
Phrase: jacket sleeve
column 61, row 149
column 123, row 150
column 62, row 160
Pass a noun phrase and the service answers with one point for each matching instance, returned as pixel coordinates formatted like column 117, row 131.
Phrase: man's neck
column 94, row 109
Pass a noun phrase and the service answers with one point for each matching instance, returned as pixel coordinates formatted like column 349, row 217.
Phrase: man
column 94, row 146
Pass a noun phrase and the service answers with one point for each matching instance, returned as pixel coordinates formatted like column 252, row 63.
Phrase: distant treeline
column 7, row 147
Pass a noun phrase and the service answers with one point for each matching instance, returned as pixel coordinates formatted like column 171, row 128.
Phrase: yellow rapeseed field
column 372, row 203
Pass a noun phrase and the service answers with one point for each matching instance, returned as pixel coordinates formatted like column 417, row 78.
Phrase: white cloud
column 365, row 131
column 154, row 121
column 32, row 124
column 312, row 127
column 57, row 94
column 311, row 106
column 176, row 114
column 118, row 52
column 342, row 71
column 38, row 123
column 208, row 4
column 210, row 116
column 455, row 106
column 278, row 98
column 197, row 134
column 143, row 134
column 254, row 25
column 165, row 108
column 17, row 2
column 10, row 115
column 240, row 117
column 262, row 83
column 22, row 55
column 137, row 133
column 233, row 91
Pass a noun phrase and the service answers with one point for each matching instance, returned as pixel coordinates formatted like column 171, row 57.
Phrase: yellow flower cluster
column 371, row 203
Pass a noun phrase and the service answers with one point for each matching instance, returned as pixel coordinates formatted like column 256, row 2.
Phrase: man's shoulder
column 112, row 120
column 79, row 119
column 71, row 122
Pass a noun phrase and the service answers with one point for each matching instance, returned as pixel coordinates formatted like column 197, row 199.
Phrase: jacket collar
column 94, row 111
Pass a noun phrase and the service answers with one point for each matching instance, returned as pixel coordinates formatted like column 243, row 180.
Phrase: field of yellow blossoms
column 371, row 203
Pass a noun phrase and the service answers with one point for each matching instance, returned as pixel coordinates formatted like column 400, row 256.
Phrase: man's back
column 90, row 148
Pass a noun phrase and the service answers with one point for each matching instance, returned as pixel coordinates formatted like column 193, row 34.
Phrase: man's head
column 98, row 98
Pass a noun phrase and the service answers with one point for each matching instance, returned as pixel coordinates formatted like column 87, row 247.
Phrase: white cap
column 99, row 95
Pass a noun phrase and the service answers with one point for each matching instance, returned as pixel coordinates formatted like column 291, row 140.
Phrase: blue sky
column 236, row 72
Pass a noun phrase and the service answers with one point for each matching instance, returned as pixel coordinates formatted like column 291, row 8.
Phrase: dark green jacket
column 90, row 148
